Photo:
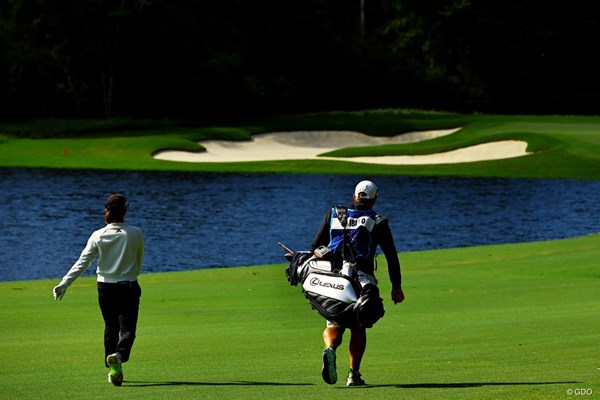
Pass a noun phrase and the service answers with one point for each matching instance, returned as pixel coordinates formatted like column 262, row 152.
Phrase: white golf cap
column 366, row 190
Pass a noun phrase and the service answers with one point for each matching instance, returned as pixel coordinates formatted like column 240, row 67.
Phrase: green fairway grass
column 516, row 321
column 563, row 146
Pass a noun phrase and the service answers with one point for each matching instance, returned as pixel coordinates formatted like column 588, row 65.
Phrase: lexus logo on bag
column 317, row 282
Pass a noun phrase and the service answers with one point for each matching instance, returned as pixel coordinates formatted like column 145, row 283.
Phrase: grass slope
column 564, row 146
column 516, row 321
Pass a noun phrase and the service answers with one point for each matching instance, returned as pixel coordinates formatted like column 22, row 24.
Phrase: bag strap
column 342, row 216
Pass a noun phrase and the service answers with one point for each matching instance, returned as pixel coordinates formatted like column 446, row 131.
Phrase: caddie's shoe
column 329, row 372
column 115, row 376
column 355, row 379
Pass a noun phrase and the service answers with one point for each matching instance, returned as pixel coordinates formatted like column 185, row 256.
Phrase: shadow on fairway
column 464, row 385
column 240, row 383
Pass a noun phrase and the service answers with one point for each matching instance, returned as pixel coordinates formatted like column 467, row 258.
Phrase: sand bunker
column 309, row 144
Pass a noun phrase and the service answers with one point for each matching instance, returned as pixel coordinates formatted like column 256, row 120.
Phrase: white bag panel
column 319, row 265
column 334, row 287
column 314, row 264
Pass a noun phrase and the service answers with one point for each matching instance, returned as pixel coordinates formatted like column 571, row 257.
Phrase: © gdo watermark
column 580, row 392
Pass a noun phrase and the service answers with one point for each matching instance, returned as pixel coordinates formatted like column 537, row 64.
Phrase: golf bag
column 335, row 296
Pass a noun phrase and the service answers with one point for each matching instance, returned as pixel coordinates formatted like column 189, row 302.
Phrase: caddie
column 353, row 234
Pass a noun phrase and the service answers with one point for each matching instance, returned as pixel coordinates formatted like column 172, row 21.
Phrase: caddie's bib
column 357, row 226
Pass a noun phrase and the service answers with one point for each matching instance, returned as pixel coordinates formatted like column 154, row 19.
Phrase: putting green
column 560, row 146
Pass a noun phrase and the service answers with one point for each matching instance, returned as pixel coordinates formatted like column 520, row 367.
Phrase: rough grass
column 516, row 321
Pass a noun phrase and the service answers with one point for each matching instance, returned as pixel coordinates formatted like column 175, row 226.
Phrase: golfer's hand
column 397, row 295
column 59, row 292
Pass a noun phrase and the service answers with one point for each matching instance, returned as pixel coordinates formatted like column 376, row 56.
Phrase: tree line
column 219, row 58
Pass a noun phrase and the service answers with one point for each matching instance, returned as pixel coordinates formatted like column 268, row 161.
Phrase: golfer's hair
column 116, row 207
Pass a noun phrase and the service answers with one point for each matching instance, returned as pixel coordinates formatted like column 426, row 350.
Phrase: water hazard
column 196, row 220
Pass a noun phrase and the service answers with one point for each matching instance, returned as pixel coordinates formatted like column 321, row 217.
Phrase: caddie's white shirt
column 119, row 248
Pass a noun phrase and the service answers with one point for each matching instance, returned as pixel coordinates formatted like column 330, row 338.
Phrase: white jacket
column 119, row 248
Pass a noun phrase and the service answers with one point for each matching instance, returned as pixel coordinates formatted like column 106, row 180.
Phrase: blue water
column 196, row 220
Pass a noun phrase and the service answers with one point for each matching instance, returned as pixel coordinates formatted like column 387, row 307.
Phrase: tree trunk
column 362, row 20
column 107, row 90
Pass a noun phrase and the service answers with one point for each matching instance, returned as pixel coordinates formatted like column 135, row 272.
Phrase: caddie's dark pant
column 120, row 304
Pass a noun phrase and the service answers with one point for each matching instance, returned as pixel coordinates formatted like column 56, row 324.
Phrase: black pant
column 120, row 304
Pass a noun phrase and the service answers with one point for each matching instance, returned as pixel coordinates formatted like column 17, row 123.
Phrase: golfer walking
column 366, row 232
column 119, row 248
